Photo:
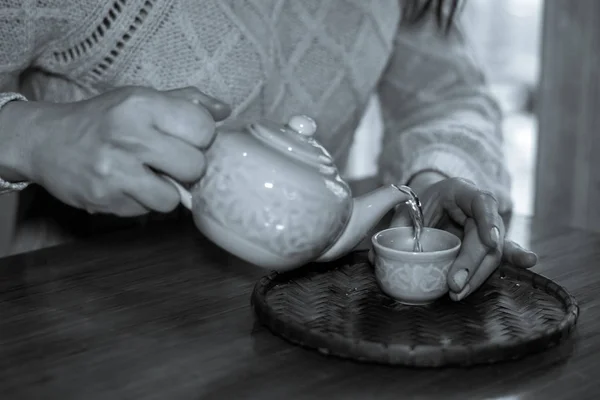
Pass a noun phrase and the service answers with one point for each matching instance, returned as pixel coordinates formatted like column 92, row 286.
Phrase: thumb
column 218, row 109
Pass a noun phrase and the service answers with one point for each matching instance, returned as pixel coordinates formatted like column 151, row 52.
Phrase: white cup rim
column 428, row 255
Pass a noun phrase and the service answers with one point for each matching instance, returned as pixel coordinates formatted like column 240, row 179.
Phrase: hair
column 445, row 11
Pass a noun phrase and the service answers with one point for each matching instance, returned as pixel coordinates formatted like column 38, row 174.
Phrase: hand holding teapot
column 272, row 195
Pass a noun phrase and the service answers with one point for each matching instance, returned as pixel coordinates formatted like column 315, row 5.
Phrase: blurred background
column 505, row 36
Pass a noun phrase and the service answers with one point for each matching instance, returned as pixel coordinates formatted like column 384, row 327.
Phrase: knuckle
column 195, row 168
column 492, row 218
column 487, row 197
column 205, row 126
column 487, row 193
column 192, row 123
column 463, row 181
column 136, row 98
column 102, row 166
column 102, row 172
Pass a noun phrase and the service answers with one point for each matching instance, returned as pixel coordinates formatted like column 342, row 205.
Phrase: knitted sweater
column 273, row 59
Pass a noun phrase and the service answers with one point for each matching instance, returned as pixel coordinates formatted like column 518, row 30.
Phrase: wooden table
column 164, row 314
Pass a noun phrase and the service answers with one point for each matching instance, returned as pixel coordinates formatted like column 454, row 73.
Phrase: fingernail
column 495, row 235
column 460, row 278
column 463, row 293
column 534, row 257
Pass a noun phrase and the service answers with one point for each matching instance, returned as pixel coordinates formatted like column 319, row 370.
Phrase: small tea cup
column 413, row 278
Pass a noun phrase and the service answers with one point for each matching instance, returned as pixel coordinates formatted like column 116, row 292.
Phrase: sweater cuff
column 454, row 165
column 6, row 187
column 442, row 162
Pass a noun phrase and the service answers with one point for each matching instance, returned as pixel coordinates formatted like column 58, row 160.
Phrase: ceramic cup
column 409, row 277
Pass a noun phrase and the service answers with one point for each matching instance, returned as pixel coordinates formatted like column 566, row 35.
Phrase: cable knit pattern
column 273, row 59
column 438, row 114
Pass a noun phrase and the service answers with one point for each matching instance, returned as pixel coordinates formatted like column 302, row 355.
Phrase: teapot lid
column 296, row 140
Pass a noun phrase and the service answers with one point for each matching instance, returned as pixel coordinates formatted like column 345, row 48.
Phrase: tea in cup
column 413, row 278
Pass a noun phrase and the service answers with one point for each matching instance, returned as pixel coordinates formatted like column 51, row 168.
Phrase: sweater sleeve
column 19, row 42
column 438, row 114
column 23, row 31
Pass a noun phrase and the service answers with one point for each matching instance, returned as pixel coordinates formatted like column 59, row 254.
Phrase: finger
column 174, row 158
column 151, row 191
column 518, row 256
column 487, row 266
column 184, row 120
column 457, row 200
column 129, row 207
column 484, row 208
column 122, row 206
column 451, row 226
column 470, row 256
column 401, row 218
column 481, row 206
column 218, row 109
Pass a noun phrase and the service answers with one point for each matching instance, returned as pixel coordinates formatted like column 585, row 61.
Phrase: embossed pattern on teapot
column 272, row 197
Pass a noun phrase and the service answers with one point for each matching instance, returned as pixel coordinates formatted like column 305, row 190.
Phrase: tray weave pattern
column 340, row 311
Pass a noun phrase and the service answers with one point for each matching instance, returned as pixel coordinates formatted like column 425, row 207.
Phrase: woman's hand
column 458, row 206
column 102, row 154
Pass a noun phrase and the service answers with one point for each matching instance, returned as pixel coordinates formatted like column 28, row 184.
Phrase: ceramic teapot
column 272, row 196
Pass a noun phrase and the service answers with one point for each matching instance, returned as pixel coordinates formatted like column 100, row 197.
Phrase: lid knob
column 303, row 125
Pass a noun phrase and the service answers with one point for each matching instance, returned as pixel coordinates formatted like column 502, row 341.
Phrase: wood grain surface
column 163, row 314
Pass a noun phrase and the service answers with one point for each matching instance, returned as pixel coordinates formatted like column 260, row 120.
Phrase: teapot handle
column 301, row 124
column 184, row 194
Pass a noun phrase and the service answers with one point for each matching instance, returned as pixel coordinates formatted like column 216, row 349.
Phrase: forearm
column 440, row 119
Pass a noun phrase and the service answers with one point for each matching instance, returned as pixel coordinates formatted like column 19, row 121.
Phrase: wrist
column 425, row 179
column 18, row 136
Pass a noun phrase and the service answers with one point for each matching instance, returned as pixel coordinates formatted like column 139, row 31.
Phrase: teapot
column 272, row 196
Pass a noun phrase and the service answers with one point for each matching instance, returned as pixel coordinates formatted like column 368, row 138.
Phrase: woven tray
column 339, row 310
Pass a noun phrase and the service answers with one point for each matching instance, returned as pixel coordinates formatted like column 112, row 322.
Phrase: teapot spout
column 367, row 211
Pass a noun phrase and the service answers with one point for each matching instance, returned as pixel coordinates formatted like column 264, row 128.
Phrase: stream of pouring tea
column 416, row 215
